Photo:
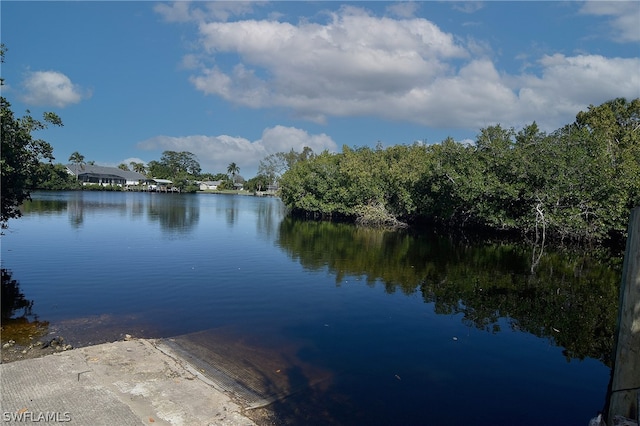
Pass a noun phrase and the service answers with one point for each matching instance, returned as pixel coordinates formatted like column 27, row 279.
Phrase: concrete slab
column 124, row 383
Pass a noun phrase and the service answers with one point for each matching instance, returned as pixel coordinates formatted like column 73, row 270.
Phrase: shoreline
column 132, row 381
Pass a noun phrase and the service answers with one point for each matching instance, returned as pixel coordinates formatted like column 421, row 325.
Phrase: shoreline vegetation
column 576, row 184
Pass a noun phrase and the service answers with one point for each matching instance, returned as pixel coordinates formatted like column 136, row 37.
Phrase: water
column 403, row 329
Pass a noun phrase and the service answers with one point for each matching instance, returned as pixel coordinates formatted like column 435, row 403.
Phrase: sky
column 237, row 81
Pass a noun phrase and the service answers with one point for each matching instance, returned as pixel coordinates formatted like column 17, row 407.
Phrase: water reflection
column 176, row 213
column 13, row 300
column 570, row 298
column 231, row 211
column 269, row 213
column 44, row 206
column 18, row 321
column 76, row 210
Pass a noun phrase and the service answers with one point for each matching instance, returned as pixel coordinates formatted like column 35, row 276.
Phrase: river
column 370, row 326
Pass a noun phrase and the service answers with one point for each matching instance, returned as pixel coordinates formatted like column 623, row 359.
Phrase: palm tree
column 77, row 159
column 138, row 167
column 233, row 169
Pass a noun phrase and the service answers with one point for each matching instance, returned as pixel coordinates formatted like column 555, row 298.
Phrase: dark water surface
column 403, row 329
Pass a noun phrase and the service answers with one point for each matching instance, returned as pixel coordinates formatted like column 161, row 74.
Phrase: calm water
column 415, row 329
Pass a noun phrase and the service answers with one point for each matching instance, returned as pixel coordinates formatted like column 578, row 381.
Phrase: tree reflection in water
column 16, row 313
column 176, row 213
column 570, row 297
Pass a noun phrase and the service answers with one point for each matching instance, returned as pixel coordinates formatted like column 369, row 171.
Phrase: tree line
column 182, row 168
column 578, row 182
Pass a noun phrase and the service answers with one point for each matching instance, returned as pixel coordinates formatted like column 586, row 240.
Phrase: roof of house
column 88, row 169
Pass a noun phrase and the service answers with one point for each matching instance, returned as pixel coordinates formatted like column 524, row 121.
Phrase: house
column 238, row 182
column 210, row 185
column 102, row 175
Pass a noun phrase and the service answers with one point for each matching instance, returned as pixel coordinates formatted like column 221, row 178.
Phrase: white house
column 210, row 185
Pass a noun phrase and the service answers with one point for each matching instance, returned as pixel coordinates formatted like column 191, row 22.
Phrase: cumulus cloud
column 345, row 67
column 215, row 153
column 625, row 16
column 353, row 63
column 51, row 88
column 570, row 83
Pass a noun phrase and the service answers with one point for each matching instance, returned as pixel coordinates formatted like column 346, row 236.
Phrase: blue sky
column 237, row 81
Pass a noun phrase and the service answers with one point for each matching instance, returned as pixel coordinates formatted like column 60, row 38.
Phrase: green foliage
column 185, row 185
column 257, row 183
column 54, row 177
column 20, row 157
column 275, row 165
column 212, row 177
column 77, row 160
column 138, row 167
column 578, row 183
column 175, row 165
column 233, row 170
column 316, row 187
column 226, row 184
column 155, row 169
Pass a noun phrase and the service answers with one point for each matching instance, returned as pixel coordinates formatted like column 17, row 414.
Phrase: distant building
column 238, row 182
column 210, row 185
column 102, row 175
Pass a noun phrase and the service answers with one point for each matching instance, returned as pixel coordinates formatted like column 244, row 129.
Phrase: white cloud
column 186, row 11
column 224, row 10
column 625, row 17
column 130, row 160
column 357, row 64
column 215, row 153
column 281, row 138
column 241, row 87
column 570, row 83
column 467, row 6
column 51, row 88
column 345, row 67
column 403, row 9
column 179, row 11
column 477, row 94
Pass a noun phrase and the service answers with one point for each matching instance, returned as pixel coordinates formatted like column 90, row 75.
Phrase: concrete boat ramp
column 207, row 378
column 125, row 383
